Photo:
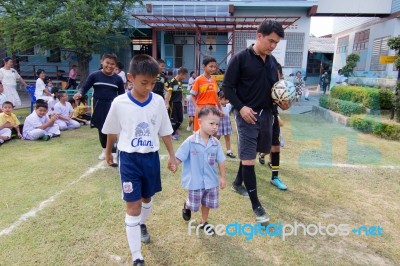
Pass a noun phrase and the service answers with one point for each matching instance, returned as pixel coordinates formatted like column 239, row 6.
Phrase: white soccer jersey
column 138, row 124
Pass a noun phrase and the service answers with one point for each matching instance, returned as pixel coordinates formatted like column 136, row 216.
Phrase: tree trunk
column 83, row 65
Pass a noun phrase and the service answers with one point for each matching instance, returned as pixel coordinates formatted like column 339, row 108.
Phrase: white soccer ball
column 283, row 91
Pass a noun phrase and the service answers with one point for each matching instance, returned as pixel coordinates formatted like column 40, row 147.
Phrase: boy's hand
column 54, row 117
column 109, row 158
column 222, row 182
column 221, row 114
column 172, row 164
column 20, row 135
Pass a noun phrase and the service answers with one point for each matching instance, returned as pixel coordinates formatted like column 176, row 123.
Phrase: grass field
column 60, row 206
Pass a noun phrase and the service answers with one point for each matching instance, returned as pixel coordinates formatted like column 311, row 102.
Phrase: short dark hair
column 6, row 59
column 41, row 103
column 279, row 67
column 40, row 71
column 60, row 94
column 182, row 70
column 191, row 73
column 269, row 26
column 120, row 65
column 8, row 102
column 207, row 110
column 160, row 61
column 144, row 64
column 208, row 59
column 111, row 56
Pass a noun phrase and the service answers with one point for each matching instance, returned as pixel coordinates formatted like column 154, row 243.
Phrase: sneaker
column 175, row 137
column 145, row 237
column 231, row 155
column 207, row 229
column 46, row 137
column 138, row 262
column 240, row 189
column 278, row 183
column 102, row 155
column 261, row 159
column 186, row 213
column 87, row 123
column 115, row 159
column 189, row 128
column 261, row 215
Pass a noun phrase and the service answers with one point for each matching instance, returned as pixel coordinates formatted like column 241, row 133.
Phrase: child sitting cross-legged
column 199, row 154
column 65, row 112
column 38, row 125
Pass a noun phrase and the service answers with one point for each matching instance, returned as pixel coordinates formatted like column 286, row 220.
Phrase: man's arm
column 229, row 84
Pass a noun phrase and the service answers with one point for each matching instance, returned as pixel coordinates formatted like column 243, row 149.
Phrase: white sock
column 228, row 151
column 132, row 226
column 146, row 209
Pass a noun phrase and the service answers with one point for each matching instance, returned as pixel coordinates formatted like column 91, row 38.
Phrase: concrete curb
column 330, row 115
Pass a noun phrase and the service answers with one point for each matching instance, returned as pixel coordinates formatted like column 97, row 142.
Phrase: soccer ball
column 283, row 91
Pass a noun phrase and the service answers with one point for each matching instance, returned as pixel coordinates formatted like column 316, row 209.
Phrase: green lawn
column 334, row 174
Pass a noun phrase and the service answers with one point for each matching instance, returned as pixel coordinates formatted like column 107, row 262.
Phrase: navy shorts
column 276, row 131
column 140, row 175
column 253, row 138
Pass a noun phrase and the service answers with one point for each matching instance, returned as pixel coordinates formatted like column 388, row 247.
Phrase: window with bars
column 379, row 48
column 294, row 49
column 360, row 47
column 342, row 45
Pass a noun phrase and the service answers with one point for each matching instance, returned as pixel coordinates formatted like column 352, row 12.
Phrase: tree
column 394, row 44
column 351, row 63
column 80, row 26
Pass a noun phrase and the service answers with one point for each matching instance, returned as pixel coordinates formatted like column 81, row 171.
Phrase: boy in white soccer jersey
column 139, row 117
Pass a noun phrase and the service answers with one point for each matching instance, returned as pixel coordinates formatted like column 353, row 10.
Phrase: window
column 360, row 46
column 342, row 45
column 294, row 49
column 379, row 48
column 55, row 56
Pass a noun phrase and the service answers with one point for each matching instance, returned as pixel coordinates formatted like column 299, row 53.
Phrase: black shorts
column 253, row 138
column 176, row 113
column 276, row 130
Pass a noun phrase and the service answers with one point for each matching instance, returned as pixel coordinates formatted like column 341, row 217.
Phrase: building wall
column 386, row 28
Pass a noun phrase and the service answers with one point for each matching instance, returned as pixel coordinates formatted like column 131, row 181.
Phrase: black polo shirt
column 248, row 80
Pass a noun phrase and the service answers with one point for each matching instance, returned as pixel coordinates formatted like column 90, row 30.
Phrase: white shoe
column 115, row 157
column 189, row 128
column 102, row 155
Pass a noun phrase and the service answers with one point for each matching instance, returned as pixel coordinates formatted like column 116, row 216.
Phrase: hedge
column 371, row 98
column 381, row 129
column 344, row 107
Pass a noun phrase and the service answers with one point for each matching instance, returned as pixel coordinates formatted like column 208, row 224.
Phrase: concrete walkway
column 304, row 106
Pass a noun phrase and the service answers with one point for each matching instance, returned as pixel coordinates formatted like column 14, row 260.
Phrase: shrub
column 340, row 106
column 371, row 98
column 381, row 129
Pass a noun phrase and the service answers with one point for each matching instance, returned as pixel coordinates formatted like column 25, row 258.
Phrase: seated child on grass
column 38, row 125
column 65, row 111
column 75, row 115
column 8, row 116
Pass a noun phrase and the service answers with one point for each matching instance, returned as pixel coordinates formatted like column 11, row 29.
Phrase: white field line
column 46, row 202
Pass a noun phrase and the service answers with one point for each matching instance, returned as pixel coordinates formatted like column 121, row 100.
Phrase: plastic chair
column 31, row 90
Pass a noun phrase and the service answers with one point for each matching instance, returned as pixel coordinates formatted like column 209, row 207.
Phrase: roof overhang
column 211, row 23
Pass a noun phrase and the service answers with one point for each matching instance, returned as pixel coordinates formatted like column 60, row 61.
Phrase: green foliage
column 381, row 129
column 351, row 63
column 81, row 26
column 344, row 107
column 372, row 98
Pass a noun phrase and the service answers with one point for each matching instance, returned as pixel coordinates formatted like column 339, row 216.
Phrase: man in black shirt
column 162, row 81
column 247, row 84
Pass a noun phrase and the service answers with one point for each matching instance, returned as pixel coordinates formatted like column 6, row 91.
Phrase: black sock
column 239, row 176
column 249, row 178
column 275, row 164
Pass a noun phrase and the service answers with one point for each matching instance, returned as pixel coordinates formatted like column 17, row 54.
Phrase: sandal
column 186, row 213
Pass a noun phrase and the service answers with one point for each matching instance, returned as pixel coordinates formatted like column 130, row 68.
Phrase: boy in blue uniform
column 199, row 153
column 139, row 117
